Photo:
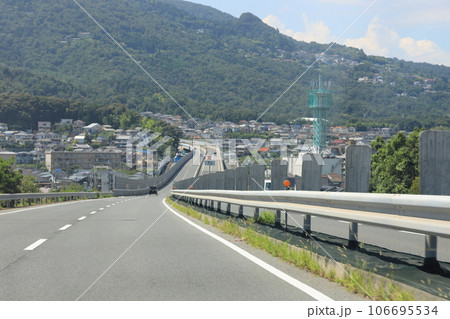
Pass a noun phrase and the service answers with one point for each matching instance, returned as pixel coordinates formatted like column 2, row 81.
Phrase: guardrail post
column 278, row 219
column 241, row 211
column 353, row 235
column 219, row 207
column 228, row 209
column 256, row 213
column 286, row 217
column 306, row 225
column 430, row 262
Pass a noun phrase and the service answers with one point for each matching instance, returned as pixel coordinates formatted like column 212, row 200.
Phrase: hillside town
column 72, row 149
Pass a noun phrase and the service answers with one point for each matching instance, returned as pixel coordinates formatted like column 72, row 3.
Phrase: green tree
column 10, row 180
column 28, row 185
column 395, row 165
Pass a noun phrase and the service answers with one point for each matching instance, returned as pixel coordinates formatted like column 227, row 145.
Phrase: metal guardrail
column 425, row 214
column 13, row 200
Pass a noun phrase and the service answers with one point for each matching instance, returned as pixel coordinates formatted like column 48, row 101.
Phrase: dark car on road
column 153, row 190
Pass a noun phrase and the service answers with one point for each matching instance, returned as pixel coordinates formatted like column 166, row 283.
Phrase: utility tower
column 320, row 101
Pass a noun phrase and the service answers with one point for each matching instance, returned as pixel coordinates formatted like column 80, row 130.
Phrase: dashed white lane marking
column 81, row 218
column 101, row 208
column 283, row 276
column 108, row 206
column 36, row 244
column 92, row 213
column 65, row 227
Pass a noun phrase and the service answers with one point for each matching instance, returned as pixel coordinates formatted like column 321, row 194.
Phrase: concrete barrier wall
column 230, row 180
column 434, row 161
column 357, row 168
column 256, row 178
column 241, row 178
column 279, row 174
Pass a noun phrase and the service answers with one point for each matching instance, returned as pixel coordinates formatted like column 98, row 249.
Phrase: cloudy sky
column 413, row 30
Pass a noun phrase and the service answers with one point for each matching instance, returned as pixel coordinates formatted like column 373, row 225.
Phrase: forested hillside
column 215, row 65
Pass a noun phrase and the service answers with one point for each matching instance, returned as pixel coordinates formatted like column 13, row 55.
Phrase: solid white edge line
column 65, row 227
column 36, row 244
column 81, row 218
column 290, row 280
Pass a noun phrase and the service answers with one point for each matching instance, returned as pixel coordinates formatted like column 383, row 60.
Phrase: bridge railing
column 424, row 214
column 14, row 200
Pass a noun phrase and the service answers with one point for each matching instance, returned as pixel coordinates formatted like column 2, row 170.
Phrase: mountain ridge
column 217, row 66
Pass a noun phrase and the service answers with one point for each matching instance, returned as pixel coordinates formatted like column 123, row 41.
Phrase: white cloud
column 381, row 40
column 314, row 31
column 377, row 40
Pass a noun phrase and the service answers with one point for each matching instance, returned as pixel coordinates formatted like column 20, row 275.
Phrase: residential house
column 44, row 126
column 84, row 159
column 21, row 137
column 3, row 127
column 79, row 139
column 8, row 155
column 93, row 129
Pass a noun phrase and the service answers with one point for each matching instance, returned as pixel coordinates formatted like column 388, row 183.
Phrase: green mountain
column 216, row 66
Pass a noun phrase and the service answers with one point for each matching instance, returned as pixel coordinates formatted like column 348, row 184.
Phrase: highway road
column 137, row 249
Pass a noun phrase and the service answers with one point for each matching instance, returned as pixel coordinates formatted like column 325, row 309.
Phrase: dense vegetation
column 395, row 165
column 215, row 65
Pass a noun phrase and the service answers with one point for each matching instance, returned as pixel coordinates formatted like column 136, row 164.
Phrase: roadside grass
column 357, row 280
column 267, row 218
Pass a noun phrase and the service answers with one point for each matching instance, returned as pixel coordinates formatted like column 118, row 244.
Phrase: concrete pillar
column 256, row 177
column 357, row 168
column 311, row 172
column 279, row 174
column 434, row 161
column 230, row 177
column 242, row 178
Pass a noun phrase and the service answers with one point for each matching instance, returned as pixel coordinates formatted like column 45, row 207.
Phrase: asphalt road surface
column 137, row 249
